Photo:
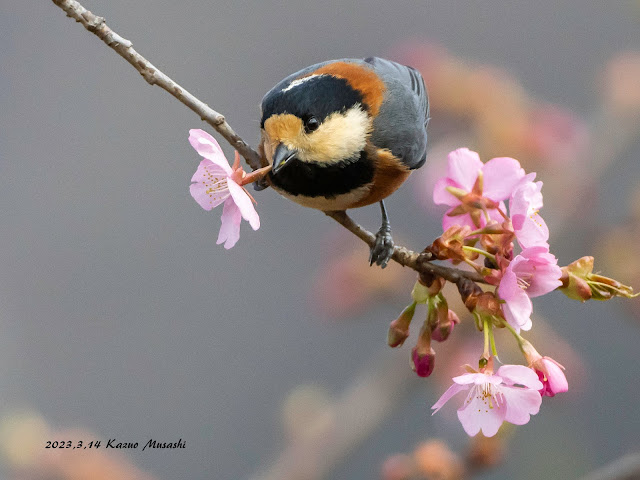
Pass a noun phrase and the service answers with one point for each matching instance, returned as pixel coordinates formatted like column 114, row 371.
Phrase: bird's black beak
column 281, row 157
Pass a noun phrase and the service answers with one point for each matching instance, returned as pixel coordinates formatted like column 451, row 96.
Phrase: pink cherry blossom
column 532, row 273
column 215, row 182
column 526, row 201
column 517, row 306
column 537, row 271
column 549, row 372
column 510, row 395
column 551, row 375
column 498, row 178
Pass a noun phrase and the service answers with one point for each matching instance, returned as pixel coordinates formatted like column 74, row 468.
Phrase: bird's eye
column 311, row 124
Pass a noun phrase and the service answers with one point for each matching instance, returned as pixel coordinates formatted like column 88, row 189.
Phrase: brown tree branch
column 405, row 257
column 97, row 26
column 153, row 76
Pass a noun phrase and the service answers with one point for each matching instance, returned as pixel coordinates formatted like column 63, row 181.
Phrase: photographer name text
column 115, row 444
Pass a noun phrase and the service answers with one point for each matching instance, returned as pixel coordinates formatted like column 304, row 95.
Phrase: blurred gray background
column 120, row 315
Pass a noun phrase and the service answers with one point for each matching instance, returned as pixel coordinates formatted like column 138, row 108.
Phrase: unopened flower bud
column 399, row 328
column 423, row 362
column 444, row 328
column 422, row 355
column 438, row 315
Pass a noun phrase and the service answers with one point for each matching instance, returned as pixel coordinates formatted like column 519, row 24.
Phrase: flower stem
column 517, row 336
column 489, row 230
column 477, row 268
column 492, row 341
column 479, row 251
column 504, row 215
column 255, row 175
column 486, row 328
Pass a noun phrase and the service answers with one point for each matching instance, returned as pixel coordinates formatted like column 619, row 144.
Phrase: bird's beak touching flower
column 281, row 157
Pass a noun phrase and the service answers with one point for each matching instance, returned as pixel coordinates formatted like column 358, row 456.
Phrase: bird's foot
column 382, row 250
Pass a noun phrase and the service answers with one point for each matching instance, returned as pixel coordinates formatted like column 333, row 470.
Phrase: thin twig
column 124, row 48
column 153, row 76
column 405, row 257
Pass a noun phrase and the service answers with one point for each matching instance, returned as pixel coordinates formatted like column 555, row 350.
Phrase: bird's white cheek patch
column 341, row 136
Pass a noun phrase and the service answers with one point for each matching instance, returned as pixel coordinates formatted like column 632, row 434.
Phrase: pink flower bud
column 551, row 375
column 399, row 328
column 444, row 327
column 423, row 362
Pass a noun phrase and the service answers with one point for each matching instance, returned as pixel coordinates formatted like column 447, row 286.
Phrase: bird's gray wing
column 401, row 124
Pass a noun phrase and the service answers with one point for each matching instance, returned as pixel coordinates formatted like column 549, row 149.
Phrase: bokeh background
column 121, row 318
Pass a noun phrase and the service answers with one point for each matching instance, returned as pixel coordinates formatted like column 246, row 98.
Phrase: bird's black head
column 319, row 118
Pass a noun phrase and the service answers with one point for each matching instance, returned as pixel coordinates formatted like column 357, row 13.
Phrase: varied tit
column 344, row 134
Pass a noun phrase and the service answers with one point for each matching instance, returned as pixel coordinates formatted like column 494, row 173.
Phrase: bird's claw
column 382, row 250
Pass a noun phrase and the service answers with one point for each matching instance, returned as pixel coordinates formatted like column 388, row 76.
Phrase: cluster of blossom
column 478, row 225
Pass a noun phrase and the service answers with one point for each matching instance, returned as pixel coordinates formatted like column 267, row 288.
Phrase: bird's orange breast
column 389, row 174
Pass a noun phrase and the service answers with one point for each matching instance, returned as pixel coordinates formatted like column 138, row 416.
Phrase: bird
column 344, row 134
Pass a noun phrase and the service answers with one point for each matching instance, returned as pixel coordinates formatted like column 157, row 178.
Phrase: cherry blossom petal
column 495, row 215
column 469, row 378
column 462, row 220
column 556, row 380
column 517, row 307
column 243, row 202
column 545, row 279
column 465, row 219
column 482, row 412
column 500, row 177
column 446, row 396
column 539, row 254
column 477, row 379
column 521, row 404
column 208, row 147
column 538, row 270
column 519, row 375
column 529, row 227
column 210, row 187
column 440, row 194
column 230, row 228
column 530, row 230
column 463, row 167
column 526, row 198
